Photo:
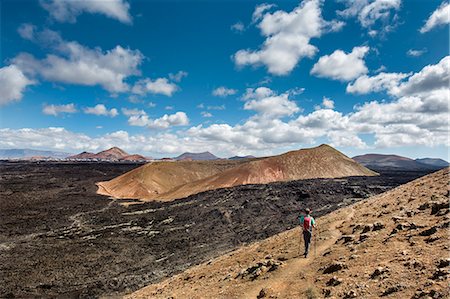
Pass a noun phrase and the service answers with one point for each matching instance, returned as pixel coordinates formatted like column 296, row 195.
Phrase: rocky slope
column 391, row 245
column 320, row 162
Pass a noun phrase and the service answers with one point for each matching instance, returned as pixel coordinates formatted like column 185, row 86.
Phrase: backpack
column 307, row 223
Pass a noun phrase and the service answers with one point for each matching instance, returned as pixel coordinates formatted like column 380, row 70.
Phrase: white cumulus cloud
column 74, row 63
column 288, row 36
column 269, row 104
column 101, row 109
column 55, row 110
column 69, row 10
column 439, row 17
column 380, row 82
column 164, row 122
column 370, row 13
column 342, row 66
column 12, row 84
column 159, row 86
column 223, row 91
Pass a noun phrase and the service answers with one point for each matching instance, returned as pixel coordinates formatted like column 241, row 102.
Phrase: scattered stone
column 409, row 213
column 428, row 232
column 438, row 206
column 379, row 271
column 424, row 206
column 431, row 294
column 326, row 253
column 334, row 267
column 445, row 225
column 392, row 289
column 378, row 226
column 282, row 258
column 263, row 293
column 439, row 274
column 258, row 269
column 367, row 228
column 334, row 281
column 431, row 239
column 354, row 256
column 326, row 293
column 397, row 218
column 350, row 294
column 444, row 263
column 346, row 238
column 393, row 232
column 363, row 237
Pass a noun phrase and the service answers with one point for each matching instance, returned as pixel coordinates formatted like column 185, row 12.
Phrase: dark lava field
column 59, row 238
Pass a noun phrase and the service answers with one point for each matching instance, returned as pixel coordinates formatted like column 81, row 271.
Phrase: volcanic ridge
column 167, row 181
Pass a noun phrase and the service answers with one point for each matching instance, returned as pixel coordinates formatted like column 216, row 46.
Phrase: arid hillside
column 392, row 245
column 151, row 180
column 168, row 181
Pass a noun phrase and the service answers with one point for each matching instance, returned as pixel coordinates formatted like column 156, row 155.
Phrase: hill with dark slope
column 320, row 162
column 434, row 162
column 153, row 179
column 169, row 181
column 196, row 156
column 379, row 161
column 241, row 157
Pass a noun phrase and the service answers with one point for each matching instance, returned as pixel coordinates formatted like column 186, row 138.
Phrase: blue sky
column 232, row 77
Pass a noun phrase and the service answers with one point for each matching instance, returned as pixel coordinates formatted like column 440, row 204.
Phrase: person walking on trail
column 307, row 222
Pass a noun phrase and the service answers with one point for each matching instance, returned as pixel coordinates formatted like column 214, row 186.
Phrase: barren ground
column 59, row 238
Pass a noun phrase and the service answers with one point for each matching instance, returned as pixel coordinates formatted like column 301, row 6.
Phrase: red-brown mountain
column 113, row 153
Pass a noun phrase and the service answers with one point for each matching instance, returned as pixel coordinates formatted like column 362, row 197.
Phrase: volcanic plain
column 59, row 238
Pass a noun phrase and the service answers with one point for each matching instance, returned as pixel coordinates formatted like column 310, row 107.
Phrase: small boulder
column 363, row 237
column 334, row 281
column 350, row 294
column 379, row 271
column 428, row 232
column 346, row 238
column 334, row 267
column 263, row 293
column 444, row 263
column 392, row 289
column 367, row 228
column 378, row 226
column 438, row 206
column 424, row 206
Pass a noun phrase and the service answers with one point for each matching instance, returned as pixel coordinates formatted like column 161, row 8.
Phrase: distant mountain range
column 394, row 162
column 112, row 154
column 30, row 153
column 196, row 156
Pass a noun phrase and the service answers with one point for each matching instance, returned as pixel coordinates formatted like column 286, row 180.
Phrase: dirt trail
column 283, row 277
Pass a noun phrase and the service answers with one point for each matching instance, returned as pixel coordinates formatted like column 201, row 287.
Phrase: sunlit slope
column 392, row 245
column 151, row 180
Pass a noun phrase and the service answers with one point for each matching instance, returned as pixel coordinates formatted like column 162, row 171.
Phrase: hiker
column 307, row 222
